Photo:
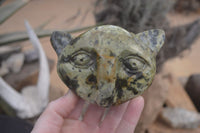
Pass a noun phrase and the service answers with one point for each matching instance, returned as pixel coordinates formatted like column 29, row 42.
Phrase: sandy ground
column 189, row 61
column 61, row 12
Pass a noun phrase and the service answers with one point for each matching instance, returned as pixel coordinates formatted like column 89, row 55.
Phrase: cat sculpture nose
column 106, row 77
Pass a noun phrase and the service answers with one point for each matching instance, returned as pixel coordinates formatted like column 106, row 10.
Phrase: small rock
column 180, row 118
column 193, row 89
column 3, row 69
column 15, row 62
column 6, row 51
column 31, row 55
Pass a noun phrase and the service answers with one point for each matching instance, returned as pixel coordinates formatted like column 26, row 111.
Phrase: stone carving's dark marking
column 112, row 54
column 134, row 81
column 59, row 40
column 107, row 102
column 119, row 93
column 119, row 84
column 71, row 83
column 96, row 42
column 66, row 59
column 163, row 37
column 139, row 85
column 89, row 94
column 110, row 63
column 135, row 92
column 128, row 65
column 143, row 35
column 107, row 72
column 75, row 77
column 155, row 32
column 153, row 37
column 150, row 33
column 153, row 41
column 101, row 85
column 74, row 40
column 91, row 79
column 146, row 79
column 139, row 75
column 93, row 87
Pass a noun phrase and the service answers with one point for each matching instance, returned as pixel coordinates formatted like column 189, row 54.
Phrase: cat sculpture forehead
column 107, row 65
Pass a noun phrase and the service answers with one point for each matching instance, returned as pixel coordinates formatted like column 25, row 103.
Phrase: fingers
column 51, row 119
column 93, row 115
column 64, row 105
column 113, row 118
column 76, row 112
column 131, row 116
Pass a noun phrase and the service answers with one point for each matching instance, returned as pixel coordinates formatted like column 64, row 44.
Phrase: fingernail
column 69, row 92
column 139, row 99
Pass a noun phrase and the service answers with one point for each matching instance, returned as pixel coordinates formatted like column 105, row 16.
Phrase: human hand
column 62, row 116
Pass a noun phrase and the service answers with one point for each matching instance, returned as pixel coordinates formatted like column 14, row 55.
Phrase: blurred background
column 172, row 103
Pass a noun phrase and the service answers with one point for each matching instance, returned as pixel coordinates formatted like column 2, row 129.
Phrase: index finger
column 131, row 116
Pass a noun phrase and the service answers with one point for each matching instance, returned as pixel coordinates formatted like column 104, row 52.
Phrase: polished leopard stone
column 107, row 65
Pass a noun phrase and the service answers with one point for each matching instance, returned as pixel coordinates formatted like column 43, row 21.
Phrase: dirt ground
column 61, row 14
column 188, row 62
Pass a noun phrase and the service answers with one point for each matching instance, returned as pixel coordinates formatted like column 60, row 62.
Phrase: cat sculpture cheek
column 107, row 65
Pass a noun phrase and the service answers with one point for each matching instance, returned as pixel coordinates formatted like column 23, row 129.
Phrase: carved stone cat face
column 107, row 65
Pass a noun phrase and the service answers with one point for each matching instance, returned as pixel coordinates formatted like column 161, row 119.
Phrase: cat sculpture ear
column 59, row 40
column 154, row 39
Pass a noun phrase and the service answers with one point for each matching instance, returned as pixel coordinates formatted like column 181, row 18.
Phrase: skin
column 108, row 65
column 61, row 116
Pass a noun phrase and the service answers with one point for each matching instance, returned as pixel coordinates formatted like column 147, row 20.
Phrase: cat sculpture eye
column 82, row 59
column 133, row 64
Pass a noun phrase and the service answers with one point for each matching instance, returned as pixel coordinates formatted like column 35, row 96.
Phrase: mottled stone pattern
column 108, row 65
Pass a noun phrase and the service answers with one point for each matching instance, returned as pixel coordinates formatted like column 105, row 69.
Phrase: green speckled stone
column 107, row 65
